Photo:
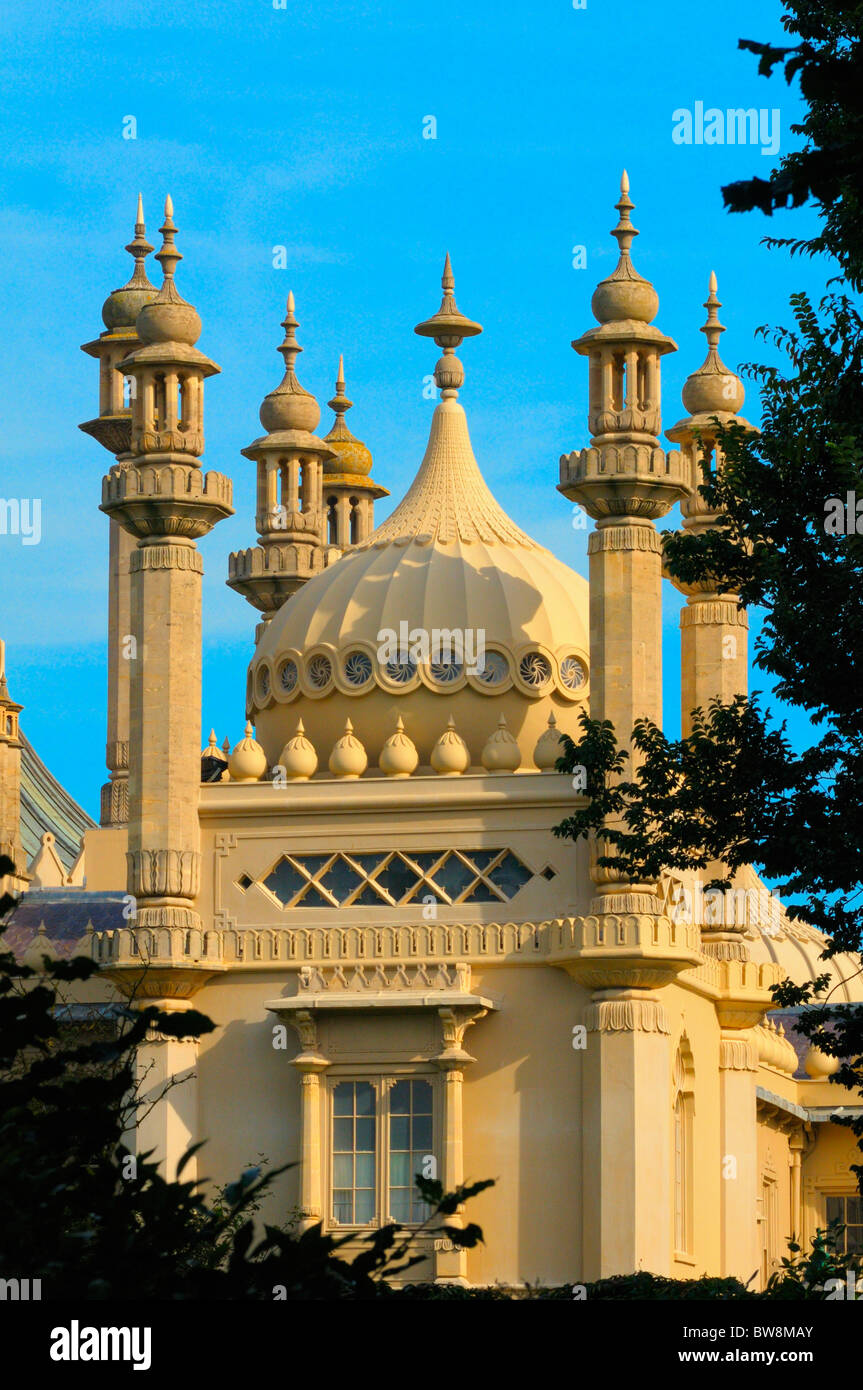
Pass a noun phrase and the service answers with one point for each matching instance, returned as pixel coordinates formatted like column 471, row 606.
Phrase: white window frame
column 382, row 1080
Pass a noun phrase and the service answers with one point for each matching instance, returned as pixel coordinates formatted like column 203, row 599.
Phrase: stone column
column 164, row 835
column 626, row 1136
column 714, row 651
column 450, row 1262
column 311, row 1065
column 625, row 622
column 168, row 1089
column 738, row 1138
column 121, row 655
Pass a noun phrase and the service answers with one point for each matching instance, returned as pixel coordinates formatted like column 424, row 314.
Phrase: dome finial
column 289, row 406
column 713, row 388
column 449, row 328
column 624, row 231
column 340, row 404
column 624, row 295
column 713, row 329
column 139, row 248
column 168, row 255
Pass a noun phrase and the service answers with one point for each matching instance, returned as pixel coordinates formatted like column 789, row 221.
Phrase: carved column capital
column 630, row 1011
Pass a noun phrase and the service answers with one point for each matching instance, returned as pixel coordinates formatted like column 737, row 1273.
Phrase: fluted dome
column 449, row 560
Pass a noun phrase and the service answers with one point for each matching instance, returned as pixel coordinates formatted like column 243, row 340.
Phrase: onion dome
column 123, row 306
column 214, row 763
column 399, row 757
column 299, row 759
column 625, row 294
column 819, row 1065
column 348, row 758
column 248, row 762
column 549, row 747
column 450, row 755
column 351, row 456
column 168, row 318
column 289, row 406
column 501, row 753
column 448, row 608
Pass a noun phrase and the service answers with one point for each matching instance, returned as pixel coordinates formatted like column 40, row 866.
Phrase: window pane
column 400, row 1205
column 365, row 1098
column 343, row 1098
column 343, row 1135
column 853, row 1211
column 400, row 1132
column 342, row 1207
column 365, row 1206
column 364, row 1172
column 400, row 1170
column 422, row 1132
column 835, row 1209
column 365, row 1141
column 343, row 1166
column 422, row 1097
column 400, row 1098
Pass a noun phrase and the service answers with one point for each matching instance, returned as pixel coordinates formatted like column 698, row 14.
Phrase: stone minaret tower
column 349, row 492
column 290, row 517
column 166, row 502
column 10, row 786
column 713, row 628
column 626, row 481
column 113, row 429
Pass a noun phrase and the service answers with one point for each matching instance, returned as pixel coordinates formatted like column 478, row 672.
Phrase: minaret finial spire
column 289, row 347
column 624, row 231
column 139, row 248
column 449, row 328
column 713, row 329
column 168, row 255
column 340, row 404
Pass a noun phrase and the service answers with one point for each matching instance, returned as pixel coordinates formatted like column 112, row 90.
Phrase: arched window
column 332, row 530
column 355, row 521
column 683, row 1081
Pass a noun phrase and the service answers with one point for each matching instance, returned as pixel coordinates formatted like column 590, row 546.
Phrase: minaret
column 10, row 786
column 165, row 501
column 290, row 516
column 625, row 481
column 713, row 628
column 113, row 429
column 349, row 491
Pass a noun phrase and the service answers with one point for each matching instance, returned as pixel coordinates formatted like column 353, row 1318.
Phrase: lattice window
column 389, row 878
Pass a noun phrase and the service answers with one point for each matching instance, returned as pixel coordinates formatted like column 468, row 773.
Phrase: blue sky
column 303, row 127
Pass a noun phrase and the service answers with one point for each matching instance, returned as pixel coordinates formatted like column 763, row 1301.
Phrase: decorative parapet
column 626, row 479
column 176, row 498
column 745, row 996
column 642, row 950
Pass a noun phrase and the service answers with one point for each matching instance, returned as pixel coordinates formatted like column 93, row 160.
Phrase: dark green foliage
column 828, row 168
